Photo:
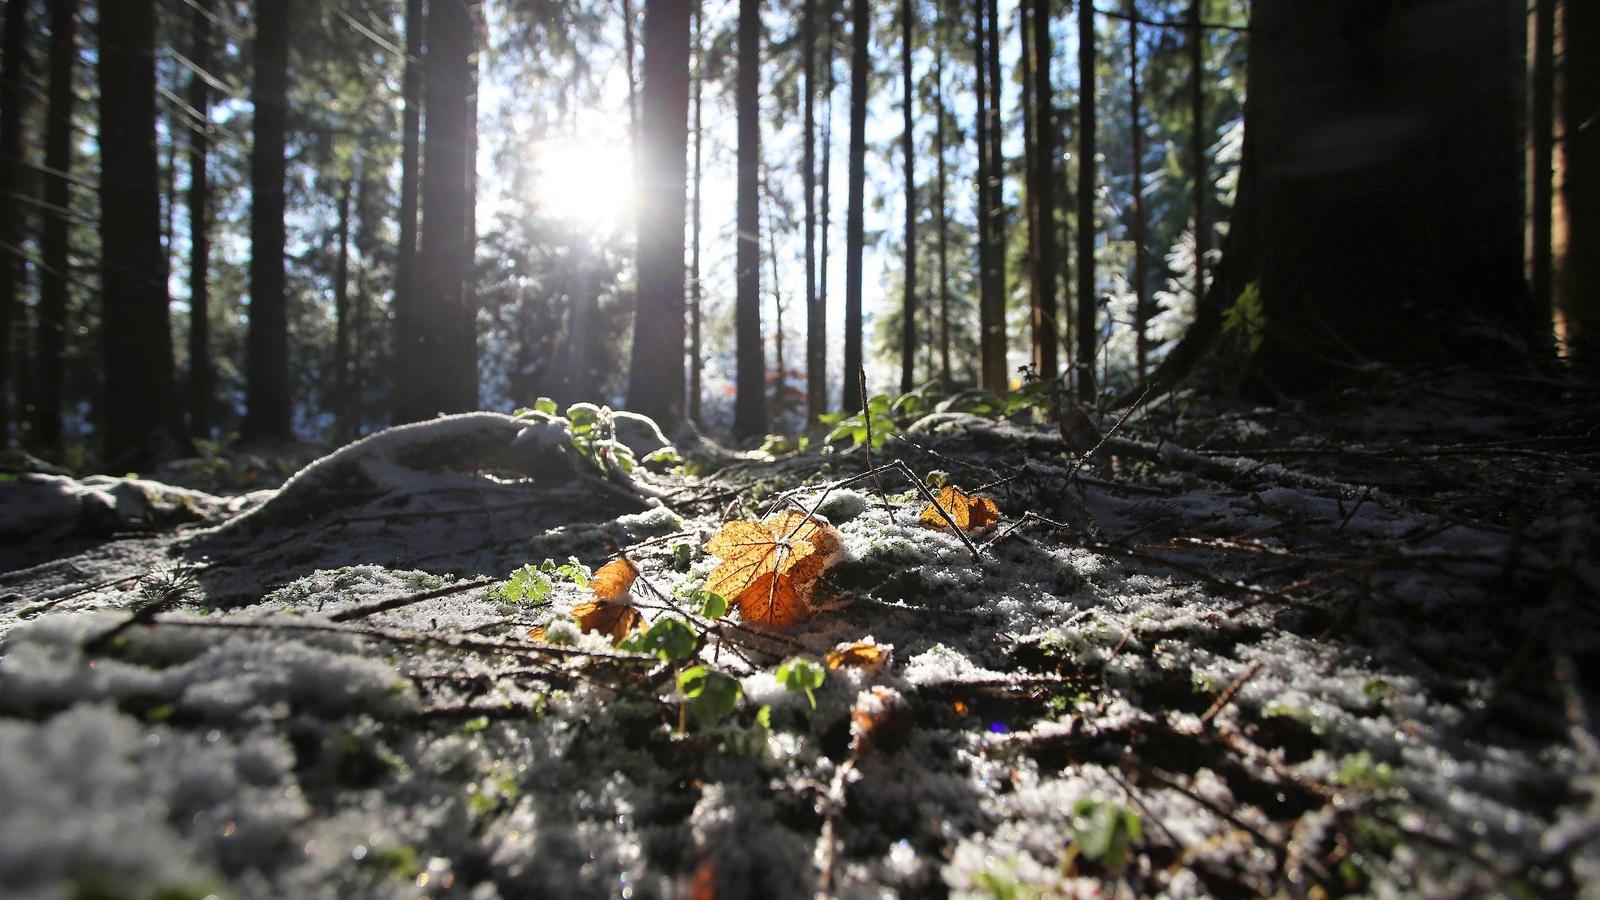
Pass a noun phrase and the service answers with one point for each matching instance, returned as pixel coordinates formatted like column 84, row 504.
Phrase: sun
column 585, row 180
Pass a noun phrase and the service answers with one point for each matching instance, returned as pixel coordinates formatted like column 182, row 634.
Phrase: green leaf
column 475, row 725
column 1105, row 831
column 711, row 695
column 802, row 676
column 1246, row 319
column 526, row 585
column 545, row 405
column 664, row 455
column 712, row 606
column 671, row 639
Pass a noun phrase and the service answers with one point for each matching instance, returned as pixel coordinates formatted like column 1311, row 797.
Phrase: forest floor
column 1347, row 646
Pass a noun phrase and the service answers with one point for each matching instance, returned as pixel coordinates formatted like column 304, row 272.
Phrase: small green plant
column 802, row 676
column 710, row 695
column 670, row 639
column 526, row 585
column 712, row 606
column 854, row 428
column 1246, row 319
column 1105, row 832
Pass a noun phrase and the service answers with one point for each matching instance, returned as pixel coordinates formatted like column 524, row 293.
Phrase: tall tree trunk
column 1541, row 148
column 1141, row 287
column 940, row 186
column 627, row 67
column 1030, row 177
column 1580, row 167
column 816, row 386
column 1049, row 264
column 750, row 407
column 908, row 324
column 406, row 356
column 200, row 367
column 1087, row 302
column 14, row 98
column 1199, row 140
column 996, row 336
column 695, row 289
column 855, row 214
column 991, row 373
column 360, row 301
column 656, row 379
column 780, row 371
column 54, row 238
column 1389, row 245
column 435, row 372
column 341, row 319
column 267, row 413
column 467, row 326
column 143, row 421
column 825, row 203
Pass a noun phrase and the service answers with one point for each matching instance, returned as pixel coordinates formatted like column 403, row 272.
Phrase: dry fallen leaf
column 609, row 612
column 879, row 720
column 969, row 512
column 865, row 655
column 769, row 569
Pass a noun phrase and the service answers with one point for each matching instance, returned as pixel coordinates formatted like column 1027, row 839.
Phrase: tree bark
column 994, row 334
column 1141, row 288
column 267, row 407
column 855, row 213
column 1381, row 167
column 991, row 372
column 341, row 319
column 1199, row 163
column 1048, row 262
column 1030, row 176
column 908, row 324
column 816, row 386
column 696, row 291
column 820, row 339
column 1541, row 149
column 201, row 374
column 656, row 378
column 142, row 419
column 940, row 188
column 1088, row 331
column 14, row 98
column 1580, row 167
column 750, row 406
column 54, row 236
column 406, row 357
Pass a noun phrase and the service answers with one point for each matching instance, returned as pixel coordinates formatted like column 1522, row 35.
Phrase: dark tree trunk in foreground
column 695, row 291
column 405, row 283
column 908, row 324
column 13, row 99
column 993, row 347
column 854, row 228
column 655, row 384
column 1580, row 163
column 200, row 368
column 54, row 247
column 991, row 370
column 437, row 371
column 1088, row 332
column 1541, row 149
column 750, row 406
column 267, row 413
column 1199, row 141
column 1381, row 168
column 816, row 385
column 142, row 419
column 1047, row 263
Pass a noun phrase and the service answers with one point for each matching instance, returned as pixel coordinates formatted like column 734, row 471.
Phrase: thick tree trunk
column 143, row 421
column 656, row 379
column 1030, row 173
column 908, row 324
column 14, row 98
column 1381, row 168
column 341, row 319
column 991, row 375
column 1540, row 149
column 406, row 358
column 54, row 239
column 1141, row 287
column 267, row 412
column 438, row 376
column 1580, row 194
column 1088, row 330
column 200, row 367
column 750, row 407
column 855, row 214
column 993, row 347
column 816, row 386
column 695, row 290
column 1047, row 263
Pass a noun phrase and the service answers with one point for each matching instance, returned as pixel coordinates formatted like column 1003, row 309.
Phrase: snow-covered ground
column 1343, row 649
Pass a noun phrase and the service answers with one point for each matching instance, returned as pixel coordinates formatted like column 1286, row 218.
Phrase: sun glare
column 586, row 181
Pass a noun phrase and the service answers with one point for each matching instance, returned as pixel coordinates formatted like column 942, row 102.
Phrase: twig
column 361, row 612
column 1226, row 696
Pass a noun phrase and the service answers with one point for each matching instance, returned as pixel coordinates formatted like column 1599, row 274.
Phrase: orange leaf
column 969, row 512
column 769, row 569
column 609, row 612
column 859, row 655
column 614, row 580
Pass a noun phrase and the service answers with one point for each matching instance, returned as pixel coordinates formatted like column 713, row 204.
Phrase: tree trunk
column 908, row 324
column 54, row 239
column 438, row 375
column 361, row 299
column 633, row 79
column 1381, row 168
column 1141, row 288
column 1087, row 301
column 750, row 406
column 267, row 412
column 14, row 98
column 994, row 336
column 991, row 374
column 856, row 205
column 341, row 320
column 200, row 368
column 940, row 211
column 407, row 359
column 1580, row 194
column 656, row 378
column 1199, row 141
column 143, row 421
column 1540, row 149
column 1030, row 177
column 816, row 387
column 779, row 364
column 820, row 339
column 1048, row 263
column 695, row 290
